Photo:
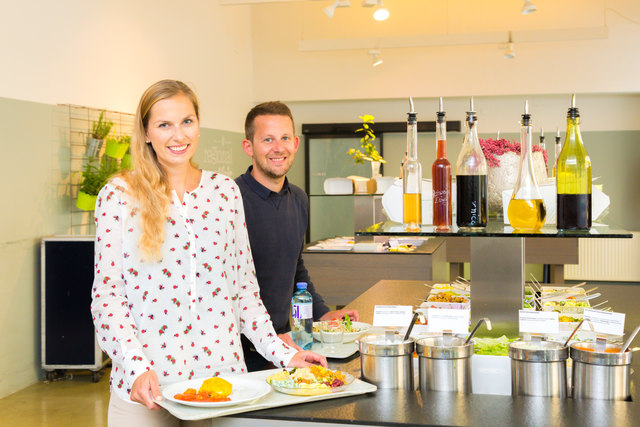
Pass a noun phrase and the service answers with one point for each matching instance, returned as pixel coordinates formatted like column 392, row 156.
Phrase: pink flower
column 492, row 148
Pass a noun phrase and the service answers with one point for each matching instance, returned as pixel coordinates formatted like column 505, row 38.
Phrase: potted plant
column 126, row 162
column 118, row 146
column 99, row 131
column 369, row 153
column 94, row 177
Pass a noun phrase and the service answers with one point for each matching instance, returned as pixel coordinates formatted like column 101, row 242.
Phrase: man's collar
column 260, row 189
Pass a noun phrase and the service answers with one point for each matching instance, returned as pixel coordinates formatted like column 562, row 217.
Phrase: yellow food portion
column 216, row 386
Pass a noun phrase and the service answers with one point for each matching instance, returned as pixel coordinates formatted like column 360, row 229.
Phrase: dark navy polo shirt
column 277, row 223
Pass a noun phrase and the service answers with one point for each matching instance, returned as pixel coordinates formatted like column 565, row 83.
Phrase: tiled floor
column 65, row 402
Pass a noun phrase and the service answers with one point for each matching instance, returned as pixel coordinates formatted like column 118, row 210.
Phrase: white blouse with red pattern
column 181, row 316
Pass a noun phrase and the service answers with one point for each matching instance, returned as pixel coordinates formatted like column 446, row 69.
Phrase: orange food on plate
column 212, row 390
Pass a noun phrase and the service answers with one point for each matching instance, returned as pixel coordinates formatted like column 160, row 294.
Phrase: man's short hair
column 271, row 108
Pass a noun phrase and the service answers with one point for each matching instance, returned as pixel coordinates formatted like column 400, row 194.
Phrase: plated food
column 309, row 381
column 216, row 392
column 212, row 390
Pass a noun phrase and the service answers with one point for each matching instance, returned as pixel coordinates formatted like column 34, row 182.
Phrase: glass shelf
column 493, row 229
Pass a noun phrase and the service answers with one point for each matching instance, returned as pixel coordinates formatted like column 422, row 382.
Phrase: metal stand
column 497, row 277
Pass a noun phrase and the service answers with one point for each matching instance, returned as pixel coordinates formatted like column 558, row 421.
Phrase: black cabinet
column 68, row 338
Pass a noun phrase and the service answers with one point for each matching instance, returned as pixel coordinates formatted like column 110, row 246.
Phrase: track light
column 330, row 10
column 509, row 53
column 375, row 57
column 381, row 12
column 528, row 7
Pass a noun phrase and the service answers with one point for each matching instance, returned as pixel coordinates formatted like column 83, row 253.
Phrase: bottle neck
column 412, row 142
column 441, row 140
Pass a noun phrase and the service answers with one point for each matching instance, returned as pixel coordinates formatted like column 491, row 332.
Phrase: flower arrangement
column 492, row 148
column 366, row 142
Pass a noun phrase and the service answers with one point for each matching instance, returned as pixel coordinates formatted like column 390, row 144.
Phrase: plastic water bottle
column 302, row 314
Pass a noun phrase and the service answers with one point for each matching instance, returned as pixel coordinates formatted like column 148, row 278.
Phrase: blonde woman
column 174, row 278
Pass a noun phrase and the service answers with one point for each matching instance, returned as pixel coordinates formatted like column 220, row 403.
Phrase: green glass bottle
column 573, row 178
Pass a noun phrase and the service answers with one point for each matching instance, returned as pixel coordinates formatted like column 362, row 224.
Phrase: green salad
column 492, row 346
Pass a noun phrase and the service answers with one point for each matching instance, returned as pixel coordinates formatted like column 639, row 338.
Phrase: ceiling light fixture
column 528, row 7
column 381, row 12
column 509, row 53
column 375, row 58
column 330, row 10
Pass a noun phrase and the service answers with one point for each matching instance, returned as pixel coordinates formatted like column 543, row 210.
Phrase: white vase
column 375, row 169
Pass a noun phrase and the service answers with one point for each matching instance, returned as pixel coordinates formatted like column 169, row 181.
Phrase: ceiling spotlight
column 330, row 10
column 381, row 12
column 375, row 57
column 528, row 7
column 509, row 53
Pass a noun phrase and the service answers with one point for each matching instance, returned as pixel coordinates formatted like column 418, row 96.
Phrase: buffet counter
column 388, row 407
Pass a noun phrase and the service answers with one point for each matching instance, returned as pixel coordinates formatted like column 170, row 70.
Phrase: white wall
column 104, row 53
column 285, row 72
column 101, row 54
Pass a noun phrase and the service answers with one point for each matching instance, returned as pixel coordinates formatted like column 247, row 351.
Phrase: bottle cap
column 301, row 285
column 573, row 110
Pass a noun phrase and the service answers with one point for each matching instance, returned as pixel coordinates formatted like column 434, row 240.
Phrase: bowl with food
column 351, row 330
column 309, row 381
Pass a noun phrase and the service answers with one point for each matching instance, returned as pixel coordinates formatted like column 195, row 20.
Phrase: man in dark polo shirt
column 276, row 215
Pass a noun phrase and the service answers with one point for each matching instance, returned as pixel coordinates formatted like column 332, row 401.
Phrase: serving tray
column 271, row 400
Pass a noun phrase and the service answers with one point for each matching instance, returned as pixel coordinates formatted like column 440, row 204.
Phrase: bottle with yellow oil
column 412, row 177
column 527, row 211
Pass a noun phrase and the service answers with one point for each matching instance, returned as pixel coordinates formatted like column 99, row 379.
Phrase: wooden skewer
column 599, row 304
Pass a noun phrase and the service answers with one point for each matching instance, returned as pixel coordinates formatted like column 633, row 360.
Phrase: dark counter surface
column 399, row 408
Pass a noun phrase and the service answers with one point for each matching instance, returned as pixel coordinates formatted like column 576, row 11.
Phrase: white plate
column 297, row 391
column 338, row 351
column 348, row 337
column 244, row 390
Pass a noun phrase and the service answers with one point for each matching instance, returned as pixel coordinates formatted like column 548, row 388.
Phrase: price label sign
column 392, row 315
column 605, row 322
column 538, row 322
column 443, row 319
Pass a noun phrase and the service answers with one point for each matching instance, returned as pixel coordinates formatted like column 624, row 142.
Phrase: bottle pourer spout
column 557, row 133
column 411, row 106
column 471, row 104
column 573, row 100
column 526, row 106
column 541, row 132
column 441, row 106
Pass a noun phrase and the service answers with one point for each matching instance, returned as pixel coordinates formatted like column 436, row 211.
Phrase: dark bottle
column 471, row 178
column 441, row 176
column 573, row 177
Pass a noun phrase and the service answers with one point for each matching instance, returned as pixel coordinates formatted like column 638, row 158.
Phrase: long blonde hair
column 147, row 182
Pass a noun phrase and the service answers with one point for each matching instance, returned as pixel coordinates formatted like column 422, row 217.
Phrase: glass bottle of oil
column 527, row 210
column 441, row 176
column 573, row 177
column 412, row 177
column 472, row 201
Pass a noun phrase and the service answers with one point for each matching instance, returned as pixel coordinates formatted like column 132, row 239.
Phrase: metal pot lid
column 385, row 345
column 586, row 352
column 444, row 348
column 538, row 351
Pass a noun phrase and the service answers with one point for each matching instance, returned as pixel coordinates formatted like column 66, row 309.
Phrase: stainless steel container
column 386, row 360
column 600, row 375
column 444, row 364
column 538, row 368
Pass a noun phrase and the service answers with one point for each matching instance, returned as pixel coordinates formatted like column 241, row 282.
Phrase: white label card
column 392, row 315
column 538, row 322
column 605, row 322
column 444, row 319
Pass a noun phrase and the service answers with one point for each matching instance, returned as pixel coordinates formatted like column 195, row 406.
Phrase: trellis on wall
column 75, row 124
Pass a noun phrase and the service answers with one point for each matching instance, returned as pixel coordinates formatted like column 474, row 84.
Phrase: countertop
column 398, row 407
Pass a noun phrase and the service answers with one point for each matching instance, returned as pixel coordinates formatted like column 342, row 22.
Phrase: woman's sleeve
column 115, row 327
column 255, row 322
